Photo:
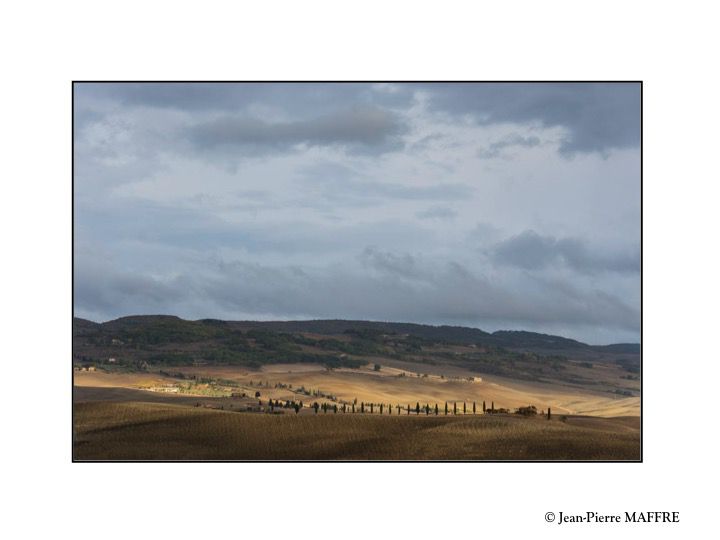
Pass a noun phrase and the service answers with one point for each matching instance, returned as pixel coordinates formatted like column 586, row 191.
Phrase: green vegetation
column 152, row 342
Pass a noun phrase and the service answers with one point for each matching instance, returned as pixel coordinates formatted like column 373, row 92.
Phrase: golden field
column 151, row 431
column 384, row 386
column 125, row 416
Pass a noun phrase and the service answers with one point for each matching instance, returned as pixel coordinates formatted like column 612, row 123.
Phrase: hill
column 140, row 342
column 146, row 431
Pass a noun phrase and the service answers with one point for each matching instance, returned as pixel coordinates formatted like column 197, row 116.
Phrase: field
column 365, row 385
column 142, row 431
column 117, row 417
column 163, row 388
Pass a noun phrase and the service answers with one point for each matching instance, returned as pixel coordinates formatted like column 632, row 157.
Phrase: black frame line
column 357, row 81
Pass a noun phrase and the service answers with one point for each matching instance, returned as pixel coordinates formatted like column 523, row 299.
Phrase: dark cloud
column 398, row 287
column 532, row 251
column 299, row 98
column 356, row 128
column 599, row 117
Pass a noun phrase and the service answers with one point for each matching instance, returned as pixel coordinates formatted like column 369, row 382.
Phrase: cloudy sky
column 498, row 206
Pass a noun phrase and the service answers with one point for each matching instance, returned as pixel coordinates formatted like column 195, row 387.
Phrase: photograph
column 344, row 271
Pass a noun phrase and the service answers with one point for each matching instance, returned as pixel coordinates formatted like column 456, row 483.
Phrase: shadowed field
column 147, row 431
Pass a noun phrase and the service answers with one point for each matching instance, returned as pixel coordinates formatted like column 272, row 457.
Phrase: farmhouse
column 167, row 388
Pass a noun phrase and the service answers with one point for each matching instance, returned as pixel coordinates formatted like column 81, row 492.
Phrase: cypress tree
column 473, row 407
column 335, row 409
column 381, row 408
column 464, row 408
column 427, row 409
column 484, row 407
column 548, row 413
column 297, row 408
column 316, row 407
column 362, row 406
column 454, row 407
column 417, row 408
column 408, row 409
column 371, row 408
column 492, row 406
column 446, row 410
column 436, row 409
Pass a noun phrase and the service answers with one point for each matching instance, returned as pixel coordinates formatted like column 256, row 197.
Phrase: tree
column 464, row 408
column 362, row 407
column 297, row 408
column 389, row 408
column 381, row 408
column 484, row 407
column 492, row 406
column 377, row 367
column 417, row 408
column 371, row 408
column 454, row 407
column 436, row 409
column 344, row 408
column 473, row 407
column 408, row 409
column 548, row 413
column 316, row 407
column 427, row 409
column 446, row 409
column 353, row 407
column 335, row 408
column 257, row 394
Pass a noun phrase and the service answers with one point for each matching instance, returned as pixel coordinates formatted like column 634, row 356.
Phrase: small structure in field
column 165, row 388
column 530, row 410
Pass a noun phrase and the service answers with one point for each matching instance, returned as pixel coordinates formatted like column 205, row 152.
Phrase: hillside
column 146, row 431
column 160, row 341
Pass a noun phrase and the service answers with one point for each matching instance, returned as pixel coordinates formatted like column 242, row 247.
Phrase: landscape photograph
column 357, row 271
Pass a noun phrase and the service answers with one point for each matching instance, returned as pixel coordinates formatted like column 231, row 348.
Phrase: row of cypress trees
column 382, row 408
column 427, row 409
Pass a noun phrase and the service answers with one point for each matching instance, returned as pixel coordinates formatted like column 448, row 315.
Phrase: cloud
column 531, row 251
column 358, row 128
column 598, row 117
column 437, row 212
column 495, row 149
column 342, row 184
column 386, row 286
column 196, row 98
column 361, row 201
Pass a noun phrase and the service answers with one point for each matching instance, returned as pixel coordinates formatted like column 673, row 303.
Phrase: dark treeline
column 418, row 409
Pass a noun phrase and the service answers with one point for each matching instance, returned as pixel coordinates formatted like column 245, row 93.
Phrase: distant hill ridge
column 444, row 333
